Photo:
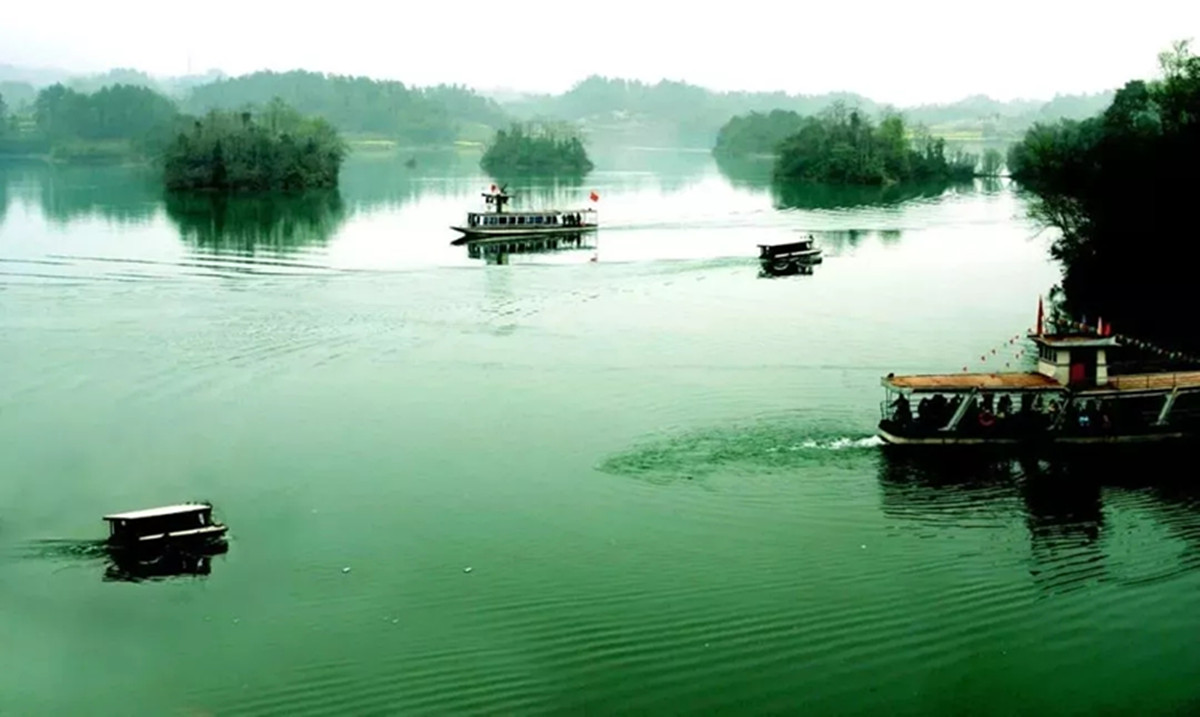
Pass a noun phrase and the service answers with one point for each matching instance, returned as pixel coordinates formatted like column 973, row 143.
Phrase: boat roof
column 1182, row 380
column 165, row 510
column 1075, row 340
column 950, row 382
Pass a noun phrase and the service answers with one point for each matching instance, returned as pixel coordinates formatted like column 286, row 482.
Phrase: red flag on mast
column 595, row 197
column 1038, row 328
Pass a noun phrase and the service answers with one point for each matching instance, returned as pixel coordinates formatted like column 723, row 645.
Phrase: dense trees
column 278, row 150
column 536, row 148
column 1119, row 188
column 116, row 112
column 843, row 146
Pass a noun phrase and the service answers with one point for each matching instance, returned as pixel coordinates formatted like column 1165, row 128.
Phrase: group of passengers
column 988, row 412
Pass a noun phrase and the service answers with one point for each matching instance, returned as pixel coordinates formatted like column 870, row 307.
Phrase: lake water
column 658, row 465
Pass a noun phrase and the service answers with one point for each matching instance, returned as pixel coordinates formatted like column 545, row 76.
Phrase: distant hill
column 686, row 114
column 607, row 110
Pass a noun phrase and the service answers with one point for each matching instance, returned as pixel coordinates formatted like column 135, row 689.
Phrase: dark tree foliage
column 355, row 104
column 119, row 112
column 844, row 147
column 279, row 150
column 1120, row 189
column 536, row 149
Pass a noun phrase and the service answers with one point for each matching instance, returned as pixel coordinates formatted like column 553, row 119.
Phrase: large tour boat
column 1071, row 398
column 497, row 221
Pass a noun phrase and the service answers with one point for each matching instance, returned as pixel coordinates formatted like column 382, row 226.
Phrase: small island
column 843, row 146
column 279, row 150
column 536, row 149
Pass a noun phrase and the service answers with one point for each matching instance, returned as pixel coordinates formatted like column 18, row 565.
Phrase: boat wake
column 760, row 448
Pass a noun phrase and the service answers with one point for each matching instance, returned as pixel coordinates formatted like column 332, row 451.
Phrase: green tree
column 843, row 146
column 1118, row 188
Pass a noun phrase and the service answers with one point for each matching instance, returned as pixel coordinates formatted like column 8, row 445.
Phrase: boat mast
column 497, row 198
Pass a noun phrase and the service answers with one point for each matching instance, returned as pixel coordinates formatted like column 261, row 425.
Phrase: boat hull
column 191, row 538
column 470, row 233
column 896, row 439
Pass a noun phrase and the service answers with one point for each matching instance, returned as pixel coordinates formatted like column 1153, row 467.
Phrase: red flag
column 1038, row 328
column 493, row 188
column 595, row 197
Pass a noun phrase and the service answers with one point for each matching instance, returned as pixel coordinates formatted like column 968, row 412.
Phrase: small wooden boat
column 791, row 257
column 183, row 524
column 497, row 221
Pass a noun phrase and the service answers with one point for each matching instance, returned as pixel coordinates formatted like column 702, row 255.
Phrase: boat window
column 520, row 220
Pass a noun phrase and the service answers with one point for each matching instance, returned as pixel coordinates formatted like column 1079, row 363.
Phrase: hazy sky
column 903, row 52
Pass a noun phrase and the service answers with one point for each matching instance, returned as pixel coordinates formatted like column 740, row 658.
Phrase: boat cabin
column 790, row 250
column 1078, row 361
column 173, row 522
column 531, row 220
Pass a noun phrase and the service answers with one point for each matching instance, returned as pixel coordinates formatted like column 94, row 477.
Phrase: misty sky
column 903, row 52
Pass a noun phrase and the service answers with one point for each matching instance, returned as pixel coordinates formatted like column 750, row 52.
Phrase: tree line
column 1118, row 189
column 131, row 118
column 687, row 114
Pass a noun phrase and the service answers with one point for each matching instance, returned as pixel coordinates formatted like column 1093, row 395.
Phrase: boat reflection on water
column 498, row 250
column 161, row 563
column 1067, row 505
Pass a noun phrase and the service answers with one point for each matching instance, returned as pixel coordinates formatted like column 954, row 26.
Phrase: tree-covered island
column 536, row 149
column 277, row 150
column 843, row 146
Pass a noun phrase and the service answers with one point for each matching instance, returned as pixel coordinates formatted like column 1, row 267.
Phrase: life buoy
column 986, row 419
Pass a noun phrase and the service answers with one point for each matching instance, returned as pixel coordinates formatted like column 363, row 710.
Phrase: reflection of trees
column 247, row 224
column 70, row 193
column 747, row 172
column 368, row 180
column 808, row 195
column 1060, row 500
column 758, row 173
column 3, row 194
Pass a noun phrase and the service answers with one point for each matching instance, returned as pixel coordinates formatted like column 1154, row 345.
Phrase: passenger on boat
column 1005, row 407
column 903, row 412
